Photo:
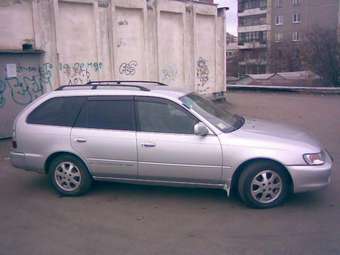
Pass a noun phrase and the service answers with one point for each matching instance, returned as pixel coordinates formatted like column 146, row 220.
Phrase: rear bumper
column 23, row 161
column 18, row 159
column 308, row 178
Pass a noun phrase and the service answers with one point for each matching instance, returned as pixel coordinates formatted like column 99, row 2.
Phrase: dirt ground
column 131, row 219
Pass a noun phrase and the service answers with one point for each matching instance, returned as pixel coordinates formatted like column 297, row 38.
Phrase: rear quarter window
column 58, row 111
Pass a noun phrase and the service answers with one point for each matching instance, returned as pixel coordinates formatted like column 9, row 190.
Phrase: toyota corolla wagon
column 145, row 133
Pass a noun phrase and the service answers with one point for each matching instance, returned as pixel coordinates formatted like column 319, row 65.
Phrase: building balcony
column 244, row 29
column 253, row 62
column 251, row 12
column 252, row 45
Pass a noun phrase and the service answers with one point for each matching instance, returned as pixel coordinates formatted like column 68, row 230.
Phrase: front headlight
column 315, row 159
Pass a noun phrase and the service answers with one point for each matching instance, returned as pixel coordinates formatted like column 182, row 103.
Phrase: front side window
column 58, row 111
column 162, row 116
column 113, row 114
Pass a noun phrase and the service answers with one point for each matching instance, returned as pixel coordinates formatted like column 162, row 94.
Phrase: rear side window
column 58, row 111
column 114, row 114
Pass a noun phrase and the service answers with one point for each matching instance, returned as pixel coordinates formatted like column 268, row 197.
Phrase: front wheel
column 263, row 185
column 69, row 176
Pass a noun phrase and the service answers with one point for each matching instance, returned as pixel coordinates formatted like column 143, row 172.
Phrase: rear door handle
column 80, row 140
column 148, row 145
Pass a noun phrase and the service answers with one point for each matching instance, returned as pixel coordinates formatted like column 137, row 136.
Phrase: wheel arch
column 236, row 175
column 59, row 153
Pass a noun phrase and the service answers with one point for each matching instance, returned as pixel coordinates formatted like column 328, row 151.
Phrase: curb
column 318, row 90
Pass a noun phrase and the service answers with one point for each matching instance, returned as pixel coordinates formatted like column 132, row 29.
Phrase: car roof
column 123, row 89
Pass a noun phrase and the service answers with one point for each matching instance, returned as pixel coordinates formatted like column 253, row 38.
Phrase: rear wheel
column 69, row 176
column 263, row 185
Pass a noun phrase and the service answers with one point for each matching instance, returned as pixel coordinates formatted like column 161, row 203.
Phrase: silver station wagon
column 145, row 133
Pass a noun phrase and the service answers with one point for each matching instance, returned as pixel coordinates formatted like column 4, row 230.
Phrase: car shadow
column 314, row 200
column 110, row 191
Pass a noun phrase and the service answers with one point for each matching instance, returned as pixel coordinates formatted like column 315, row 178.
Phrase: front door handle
column 80, row 140
column 148, row 145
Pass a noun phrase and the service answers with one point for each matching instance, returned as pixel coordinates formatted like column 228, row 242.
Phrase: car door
column 104, row 134
column 167, row 147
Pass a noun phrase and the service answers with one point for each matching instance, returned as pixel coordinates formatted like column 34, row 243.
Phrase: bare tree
column 284, row 56
column 320, row 52
column 232, row 65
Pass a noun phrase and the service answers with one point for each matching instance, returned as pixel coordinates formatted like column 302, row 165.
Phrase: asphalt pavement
column 132, row 219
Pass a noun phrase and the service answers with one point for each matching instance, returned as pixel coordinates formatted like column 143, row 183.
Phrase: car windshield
column 221, row 119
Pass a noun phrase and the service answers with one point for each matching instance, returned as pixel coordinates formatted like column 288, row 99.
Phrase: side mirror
column 200, row 129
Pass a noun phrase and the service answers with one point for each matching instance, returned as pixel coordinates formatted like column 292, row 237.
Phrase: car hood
column 262, row 133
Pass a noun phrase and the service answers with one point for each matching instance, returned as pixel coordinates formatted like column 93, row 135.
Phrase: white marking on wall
column 129, row 44
column 78, row 62
column 171, row 48
column 206, row 54
column 16, row 26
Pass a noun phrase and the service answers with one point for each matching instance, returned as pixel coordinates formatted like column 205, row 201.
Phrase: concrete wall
column 180, row 43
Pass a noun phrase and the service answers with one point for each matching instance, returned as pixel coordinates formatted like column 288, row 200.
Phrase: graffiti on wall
column 79, row 73
column 34, row 80
column 202, row 75
column 30, row 83
column 123, row 22
column 128, row 68
column 168, row 73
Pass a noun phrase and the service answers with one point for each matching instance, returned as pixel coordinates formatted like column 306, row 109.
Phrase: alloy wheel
column 266, row 186
column 67, row 176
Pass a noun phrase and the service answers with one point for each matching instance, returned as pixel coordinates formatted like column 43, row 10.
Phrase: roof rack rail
column 130, row 81
column 95, row 84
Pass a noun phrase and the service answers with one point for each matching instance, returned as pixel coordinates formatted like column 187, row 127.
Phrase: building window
column 278, row 20
column 296, row 18
column 278, row 3
column 296, row 36
column 278, row 36
column 296, row 2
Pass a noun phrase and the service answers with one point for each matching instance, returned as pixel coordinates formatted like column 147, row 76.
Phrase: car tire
column 69, row 176
column 263, row 185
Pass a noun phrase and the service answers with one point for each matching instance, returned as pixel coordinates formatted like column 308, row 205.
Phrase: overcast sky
column 231, row 15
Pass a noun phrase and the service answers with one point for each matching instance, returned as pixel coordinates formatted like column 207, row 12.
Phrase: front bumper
column 308, row 178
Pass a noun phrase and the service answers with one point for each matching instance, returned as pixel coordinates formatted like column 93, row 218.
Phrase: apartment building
column 264, row 24
column 254, row 25
column 232, row 56
column 339, row 24
column 232, row 45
